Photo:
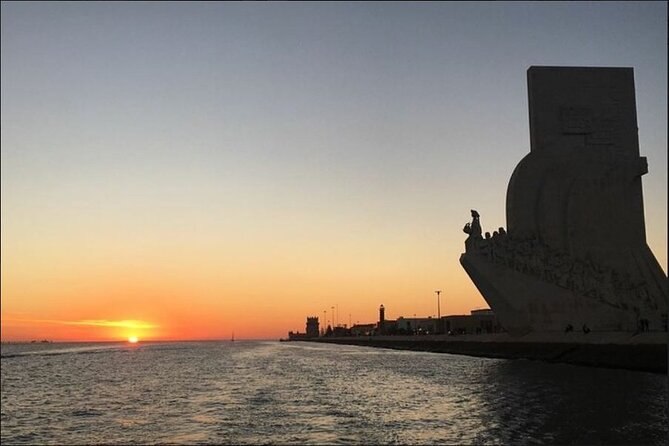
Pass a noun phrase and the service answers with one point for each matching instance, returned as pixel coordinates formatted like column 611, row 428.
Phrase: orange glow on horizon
column 25, row 329
column 257, row 295
column 208, row 291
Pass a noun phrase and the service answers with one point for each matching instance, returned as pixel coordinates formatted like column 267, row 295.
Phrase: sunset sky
column 189, row 170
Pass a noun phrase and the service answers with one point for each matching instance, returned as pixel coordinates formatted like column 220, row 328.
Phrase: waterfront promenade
column 641, row 352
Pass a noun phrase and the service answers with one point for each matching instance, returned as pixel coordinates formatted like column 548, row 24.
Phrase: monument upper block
column 574, row 253
column 582, row 107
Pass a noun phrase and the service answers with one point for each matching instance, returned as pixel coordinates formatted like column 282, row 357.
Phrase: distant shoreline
column 646, row 353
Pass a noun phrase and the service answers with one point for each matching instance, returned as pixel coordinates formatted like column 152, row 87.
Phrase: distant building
column 477, row 322
column 311, row 330
column 363, row 329
column 312, row 327
column 382, row 317
column 341, row 331
column 385, row 326
column 295, row 336
column 416, row 325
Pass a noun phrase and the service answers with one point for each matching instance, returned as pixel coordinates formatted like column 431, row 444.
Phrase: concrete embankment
column 647, row 352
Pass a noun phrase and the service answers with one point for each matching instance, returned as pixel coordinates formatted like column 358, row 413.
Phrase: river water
column 269, row 392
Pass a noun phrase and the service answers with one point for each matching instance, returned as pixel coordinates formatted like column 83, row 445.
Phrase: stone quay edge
column 645, row 352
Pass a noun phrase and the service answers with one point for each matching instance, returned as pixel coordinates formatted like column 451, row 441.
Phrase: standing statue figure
column 474, row 231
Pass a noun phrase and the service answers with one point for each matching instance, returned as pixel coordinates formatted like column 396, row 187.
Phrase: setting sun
column 133, row 339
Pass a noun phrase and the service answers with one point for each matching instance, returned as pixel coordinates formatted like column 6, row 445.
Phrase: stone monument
column 575, row 252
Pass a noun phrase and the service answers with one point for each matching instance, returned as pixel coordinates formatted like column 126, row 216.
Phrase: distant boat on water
column 232, row 339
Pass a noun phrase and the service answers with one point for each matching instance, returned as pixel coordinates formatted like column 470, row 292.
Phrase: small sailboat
column 232, row 339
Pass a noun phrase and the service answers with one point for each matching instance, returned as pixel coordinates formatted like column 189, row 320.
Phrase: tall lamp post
column 438, row 311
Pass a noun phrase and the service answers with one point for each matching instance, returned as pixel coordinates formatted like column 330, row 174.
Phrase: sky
column 189, row 170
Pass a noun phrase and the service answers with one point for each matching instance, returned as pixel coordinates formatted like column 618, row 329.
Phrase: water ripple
column 301, row 393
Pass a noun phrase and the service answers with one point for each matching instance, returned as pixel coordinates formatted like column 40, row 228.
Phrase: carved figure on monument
column 556, row 264
column 474, row 231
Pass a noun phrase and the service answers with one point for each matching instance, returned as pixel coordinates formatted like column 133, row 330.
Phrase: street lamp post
column 438, row 311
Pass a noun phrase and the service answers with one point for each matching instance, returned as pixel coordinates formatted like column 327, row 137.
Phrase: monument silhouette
column 575, row 252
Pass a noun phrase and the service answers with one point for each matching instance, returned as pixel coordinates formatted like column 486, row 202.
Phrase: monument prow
column 574, row 254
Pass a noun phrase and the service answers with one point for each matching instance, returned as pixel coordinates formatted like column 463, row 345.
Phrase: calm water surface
column 270, row 392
